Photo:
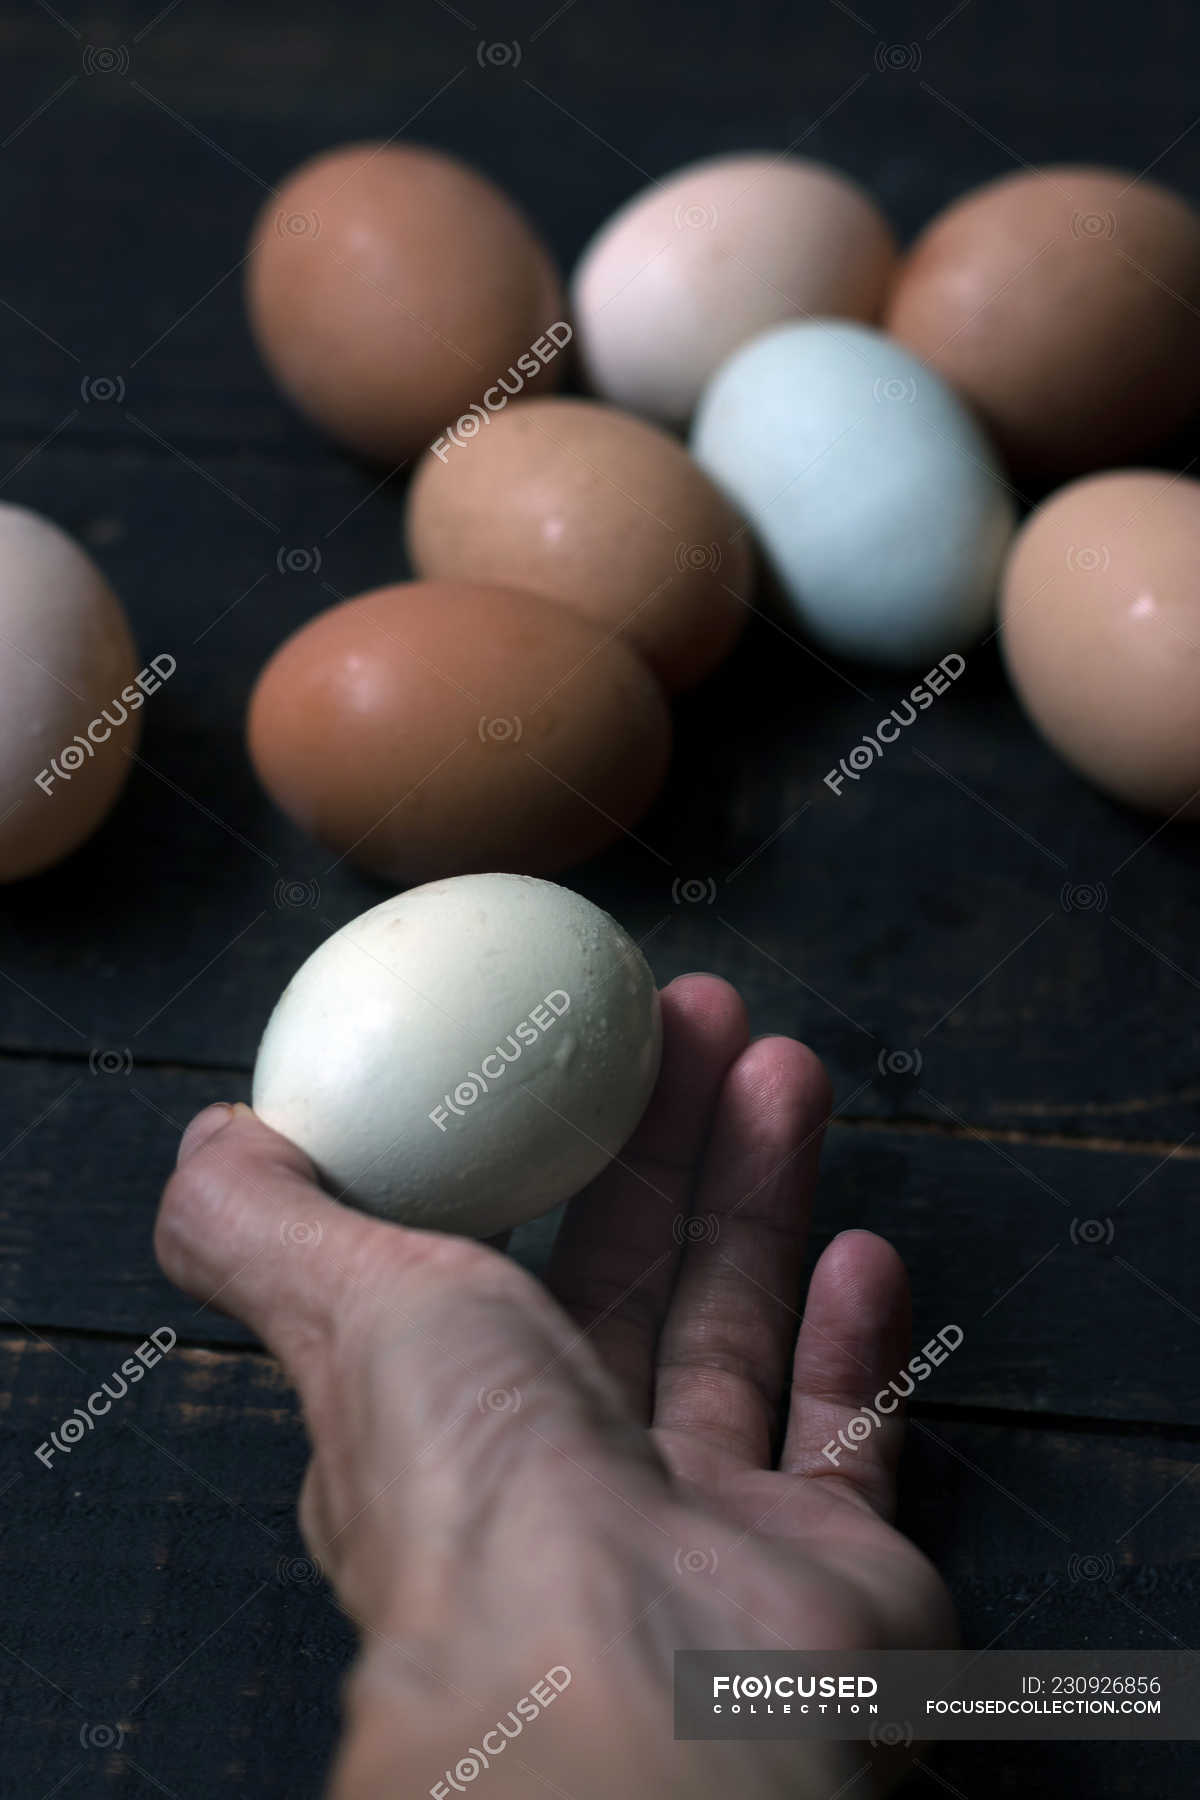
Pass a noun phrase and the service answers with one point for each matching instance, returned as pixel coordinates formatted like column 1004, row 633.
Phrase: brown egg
column 597, row 510
column 1101, row 633
column 391, row 286
column 441, row 727
column 71, row 693
column 1064, row 303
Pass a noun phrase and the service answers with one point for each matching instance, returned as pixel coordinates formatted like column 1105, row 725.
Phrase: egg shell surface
column 437, row 727
column 1064, row 304
column 877, row 500
column 466, row 1055
column 390, row 286
column 597, row 510
column 691, row 267
column 66, row 654
column 1100, row 628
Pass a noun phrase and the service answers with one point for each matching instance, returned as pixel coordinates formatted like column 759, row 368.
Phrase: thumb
column 244, row 1227
column 441, row 1384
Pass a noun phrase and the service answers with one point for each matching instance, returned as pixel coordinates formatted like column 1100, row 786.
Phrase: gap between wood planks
column 198, row 1350
column 998, row 1134
column 904, row 1125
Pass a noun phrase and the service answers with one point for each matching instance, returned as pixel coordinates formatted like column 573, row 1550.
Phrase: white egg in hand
column 465, row 1055
column 877, row 499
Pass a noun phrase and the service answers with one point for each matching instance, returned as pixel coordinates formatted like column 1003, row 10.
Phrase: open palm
column 591, row 1473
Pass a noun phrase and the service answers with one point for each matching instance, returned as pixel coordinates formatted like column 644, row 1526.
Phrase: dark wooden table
column 999, row 967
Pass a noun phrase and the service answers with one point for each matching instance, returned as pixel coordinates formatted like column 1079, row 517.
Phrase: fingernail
column 202, row 1128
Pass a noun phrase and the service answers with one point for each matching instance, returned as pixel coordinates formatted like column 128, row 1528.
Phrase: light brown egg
column 709, row 256
column 391, row 286
column 1064, row 303
column 599, row 511
column 70, row 707
column 440, row 728
column 1101, row 633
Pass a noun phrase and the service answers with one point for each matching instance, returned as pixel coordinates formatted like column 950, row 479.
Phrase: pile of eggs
column 784, row 414
column 859, row 426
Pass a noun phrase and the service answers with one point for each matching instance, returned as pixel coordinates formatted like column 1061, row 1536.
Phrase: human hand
column 586, row 1476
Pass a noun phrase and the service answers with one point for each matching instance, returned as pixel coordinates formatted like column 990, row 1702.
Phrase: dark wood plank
column 1061, row 1265
column 156, row 1596
column 155, row 1584
column 1057, row 1540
